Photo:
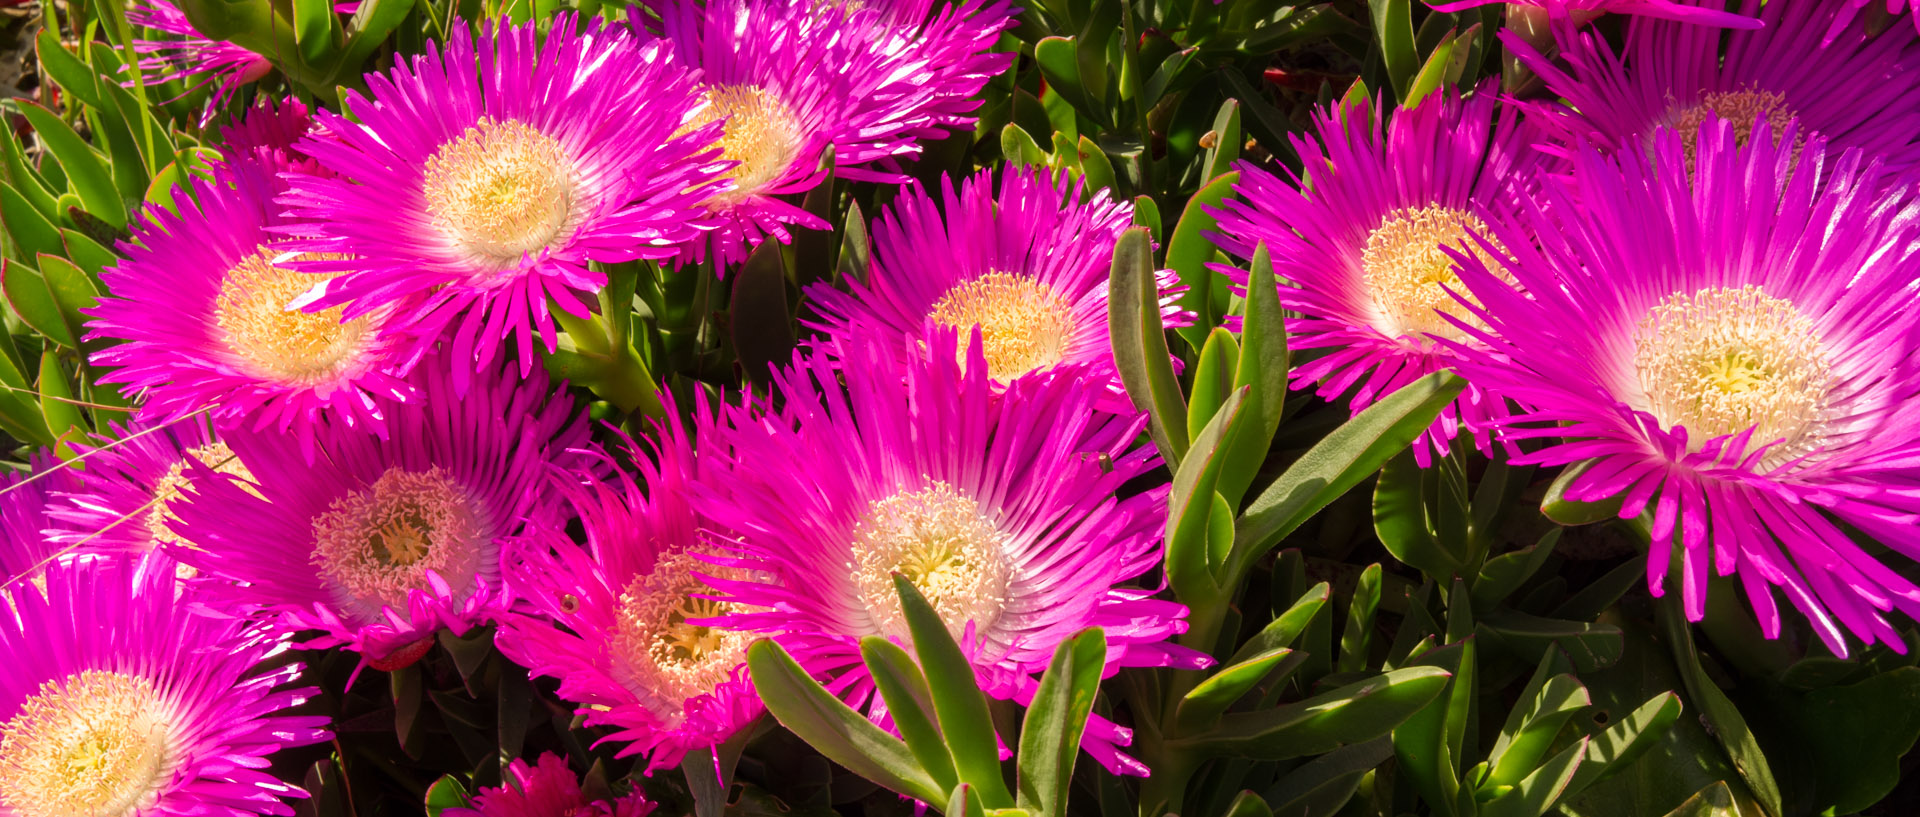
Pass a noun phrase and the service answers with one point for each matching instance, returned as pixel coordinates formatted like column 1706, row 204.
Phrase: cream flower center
column 501, row 191
column 166, row 489
column 761, row 133
column 1407, row 274
column 1720, row 361
column 93, row 744
column 289, row 346
column 941, row 541
column 1024, row 324
column 1740, row 109
column 377, row 544
column 663, row 658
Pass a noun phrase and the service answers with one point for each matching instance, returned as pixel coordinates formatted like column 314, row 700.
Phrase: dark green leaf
column 1359, row 630
column 1140, row 345
column 1729, row 728
column 33, row 301
column 1288, row 625
column 1627, row 739
column 31, row 232
column 1188, row 252
column 1341, row 460
column 1212, row 379
column 1393, row 32
column 1202, row 707
column 1590, row 646
column 831, row 727
column 1323, row 786
column 1262, row 368
column 1532, row 796
column 1503, row 574
column 1351, row 714
column 1050, row 735
column 905, row 690
column 957, row 700
column 1190, row 562
column 84, row 168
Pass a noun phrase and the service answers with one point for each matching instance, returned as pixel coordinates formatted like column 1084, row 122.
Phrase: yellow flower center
column 166, row 489
column 1740, row 109
column 290, row 346
column 93, row 744
column 1720, row 361
column 760, row 133
column 377, row 544
column 501, row 191
column 1024, row 324
column 1407, row 273
column 659, row 655
column 940, row 540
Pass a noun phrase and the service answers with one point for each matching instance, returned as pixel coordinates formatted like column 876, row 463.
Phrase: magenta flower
column 126, row 497
column 547, row 789
column 1582, row 11
column 119, row 700
column 27, row 528
column 480, row 180
column 201, row 303
column 188, row 53
column 1001, row 509
column 789, row 79
column 1360, row 252
column 1736, row 354
column 1854, row 91
column 382, row 542
column 626, row 647
column 1029, row 267
column 266, row 133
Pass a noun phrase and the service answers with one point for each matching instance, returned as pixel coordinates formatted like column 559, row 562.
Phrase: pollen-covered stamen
column 1407, row 274
column 1721, row 360
column 92, row 744
column 289, row 346
column 166, row 489
column 658, row 654
column 1024, row 324
column 377, row 544
column 761, row 133
column 941, row 541
column 500, row 191
column 1741, row 110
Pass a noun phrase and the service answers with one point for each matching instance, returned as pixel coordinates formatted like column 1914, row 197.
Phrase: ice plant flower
column 1004, row 512
column 382, row 542
column 790, row 78
column 120, row 701
column 124, row 499
column 188, row 53
column 547, row 789
column 629, row 646
column 27, row 530
column 201, row 303
column 1582, row 11
column 1029, row 266
column 1361, row 251
column 1736, row 354
column 266, row 134
column 1854, row 91
column 481, row 178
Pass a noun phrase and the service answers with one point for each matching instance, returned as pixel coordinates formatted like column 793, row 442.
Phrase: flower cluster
column 1684, row 277
column 346, row 439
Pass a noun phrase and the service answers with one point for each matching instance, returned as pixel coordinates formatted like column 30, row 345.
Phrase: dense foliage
column 1084, row 408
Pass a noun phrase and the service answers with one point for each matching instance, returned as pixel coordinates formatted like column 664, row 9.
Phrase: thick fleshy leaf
column 1328, row 782
column 446, row 793
column 1355, row 639
column 32, row 299
column 1189, row 250
column 1393, row 32
column 1537, row 792
column 1503, row 574
column 1262, row 370
column 1343, row 459
column 1050, row 735
column 856, row 255
column 29, row 229
column 1627, row 739
column 1354, row 713
column 1212, row 379
column 84, row 168
column 958, row 703
column 1140, row 345
column 1226, row 141
column 1202, row 706
column 1591, row 646
column 1532, row 728
column 1569, row 512
column 910, row 705
column 1190, row 563
column 1849, row 741
column 1727, row 725
column 832, row 728
column 1284, row 628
